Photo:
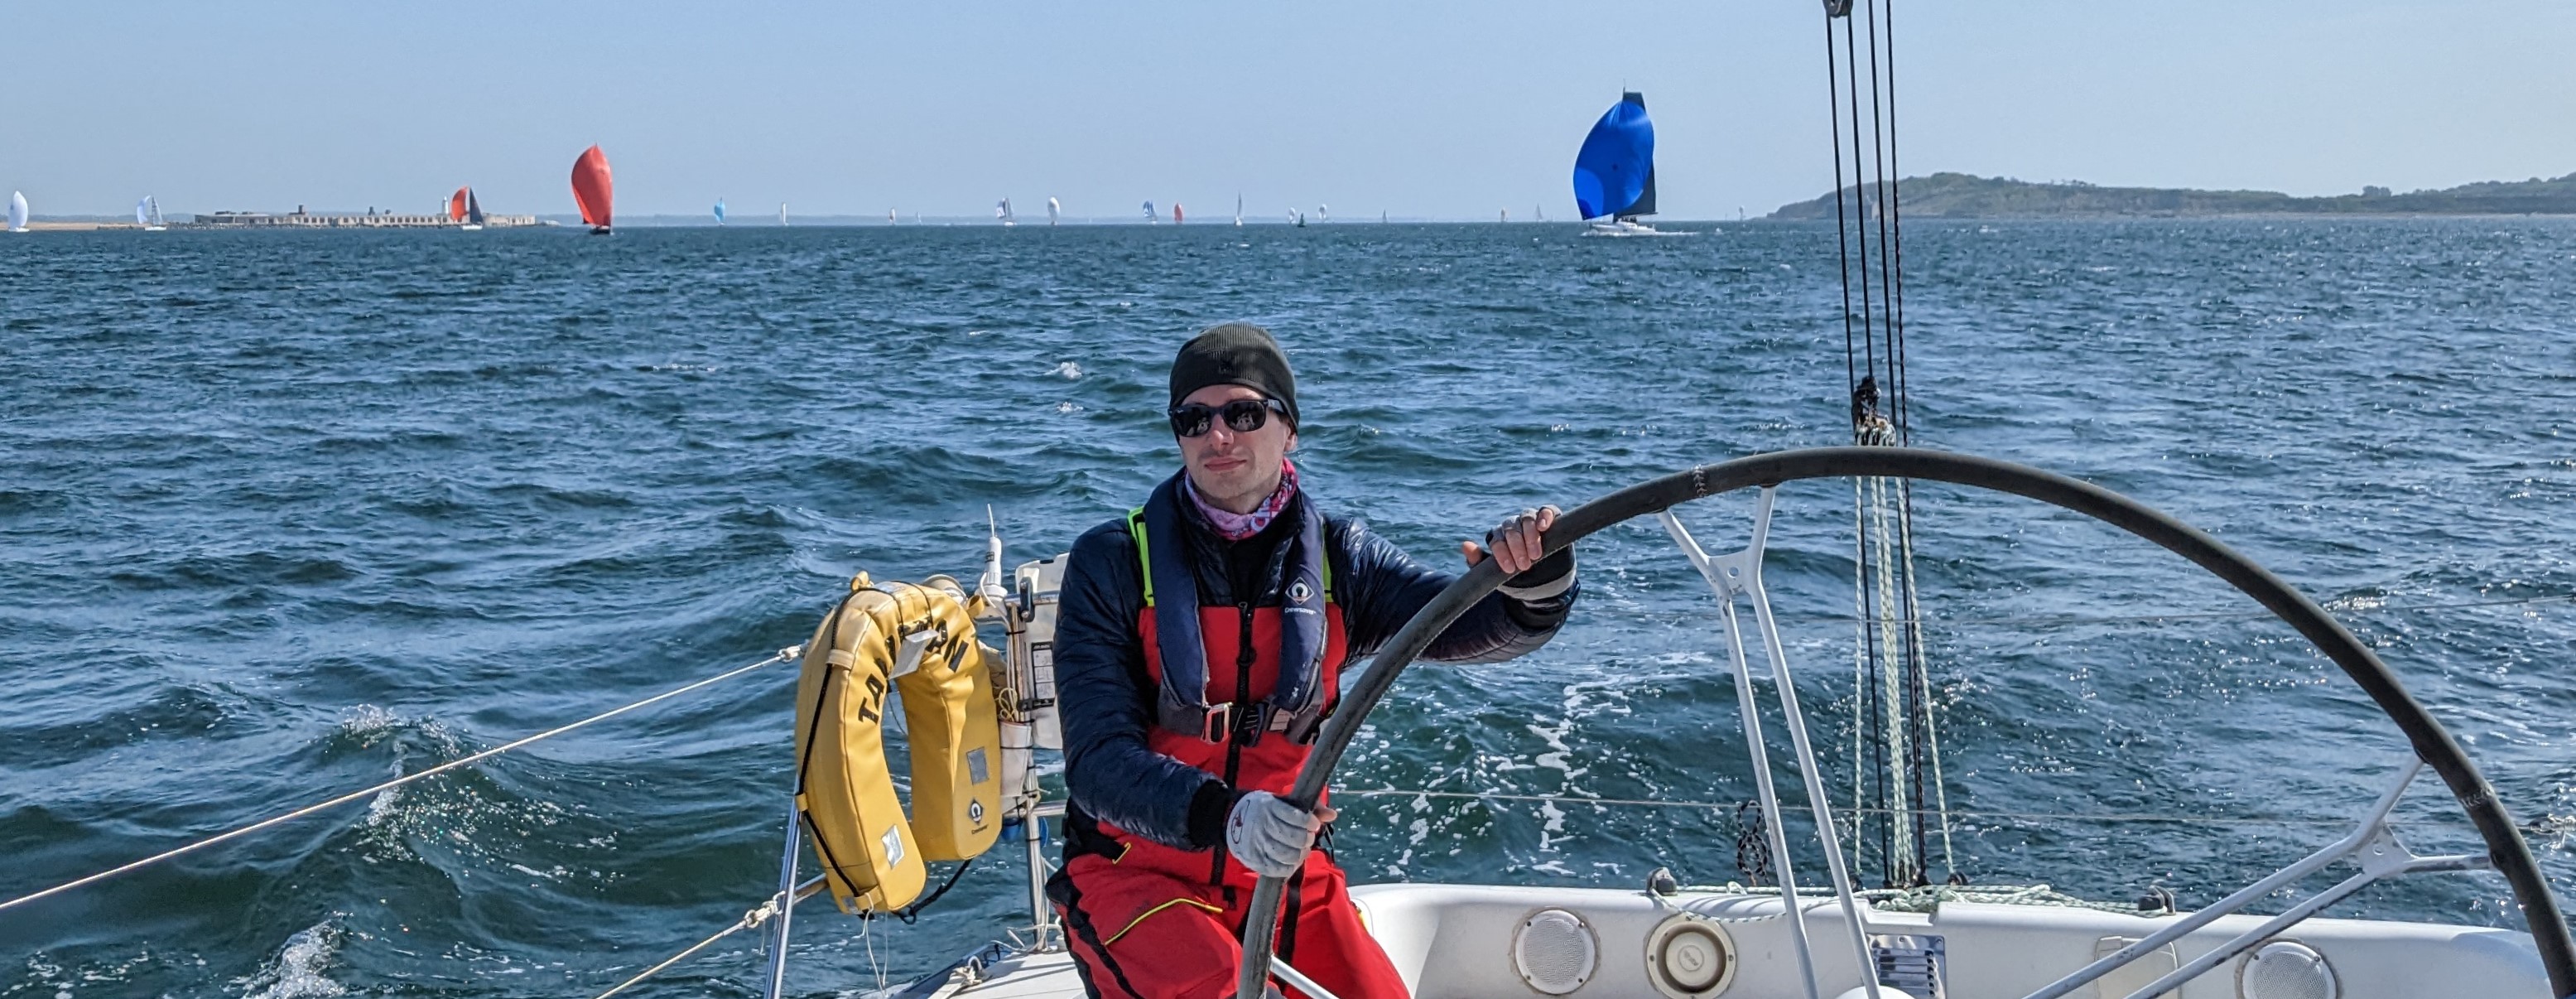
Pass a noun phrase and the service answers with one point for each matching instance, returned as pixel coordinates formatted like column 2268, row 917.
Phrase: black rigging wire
column 1851, row 75
column 1896, row 242
column 1898, row 723
column 1833, row 98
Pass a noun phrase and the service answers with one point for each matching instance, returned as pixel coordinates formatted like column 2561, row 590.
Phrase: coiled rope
column 783, row 655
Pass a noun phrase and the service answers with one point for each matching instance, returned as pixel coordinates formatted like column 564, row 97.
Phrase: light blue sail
column 719, row 211
column 1614, row 171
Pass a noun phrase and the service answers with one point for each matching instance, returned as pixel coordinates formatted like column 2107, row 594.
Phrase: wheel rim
column 2432, row 743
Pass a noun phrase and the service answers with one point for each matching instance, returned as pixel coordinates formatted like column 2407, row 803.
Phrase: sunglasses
column 1242, row 415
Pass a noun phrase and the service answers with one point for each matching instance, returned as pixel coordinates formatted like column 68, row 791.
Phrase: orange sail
column 592, row 189
column 456, row 206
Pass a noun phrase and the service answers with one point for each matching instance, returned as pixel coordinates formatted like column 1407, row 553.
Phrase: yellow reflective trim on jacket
column 1131, row 924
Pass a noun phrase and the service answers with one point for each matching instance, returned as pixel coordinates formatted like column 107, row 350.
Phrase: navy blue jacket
column 1106, row 698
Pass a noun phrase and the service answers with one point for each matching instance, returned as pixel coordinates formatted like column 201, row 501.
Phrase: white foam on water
column 299, row 969
column 1066, row 370
column 1548, row 832
column 1554, row 758
column 367, row 722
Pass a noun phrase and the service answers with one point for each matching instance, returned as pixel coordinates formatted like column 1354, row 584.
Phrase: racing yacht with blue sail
column 1614, row 171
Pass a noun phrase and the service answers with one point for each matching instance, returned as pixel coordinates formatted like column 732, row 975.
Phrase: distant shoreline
column 1964, row 196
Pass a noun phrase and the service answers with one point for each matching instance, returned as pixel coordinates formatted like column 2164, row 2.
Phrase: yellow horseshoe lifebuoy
column 918, row 640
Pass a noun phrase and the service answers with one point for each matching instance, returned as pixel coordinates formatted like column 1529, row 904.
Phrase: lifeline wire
column 768, row 907
column 783, row 655
column 1561, row 799
column 2159, row 618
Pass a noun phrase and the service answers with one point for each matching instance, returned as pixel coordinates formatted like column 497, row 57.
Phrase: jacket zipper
column 1234, row 732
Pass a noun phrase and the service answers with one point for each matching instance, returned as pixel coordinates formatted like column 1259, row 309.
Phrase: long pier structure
column 300, row 219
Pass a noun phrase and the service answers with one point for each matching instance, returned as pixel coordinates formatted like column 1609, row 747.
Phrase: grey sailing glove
column 1269, row 835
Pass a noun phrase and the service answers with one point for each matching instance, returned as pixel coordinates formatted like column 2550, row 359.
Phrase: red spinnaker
column 456, row 206
column 591, row 187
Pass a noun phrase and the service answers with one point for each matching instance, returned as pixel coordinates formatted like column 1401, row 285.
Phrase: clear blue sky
column 1436, row 109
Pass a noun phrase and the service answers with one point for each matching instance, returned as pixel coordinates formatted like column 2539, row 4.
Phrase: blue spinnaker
column 1616, row 166
column 719, row 211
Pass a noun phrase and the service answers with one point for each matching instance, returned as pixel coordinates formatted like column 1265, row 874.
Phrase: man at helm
column 1198, row 649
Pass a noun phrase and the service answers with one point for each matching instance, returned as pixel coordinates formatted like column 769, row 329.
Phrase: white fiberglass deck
column 1459, row 941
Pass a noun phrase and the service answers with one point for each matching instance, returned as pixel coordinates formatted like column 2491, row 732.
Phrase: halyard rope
column 783, row 655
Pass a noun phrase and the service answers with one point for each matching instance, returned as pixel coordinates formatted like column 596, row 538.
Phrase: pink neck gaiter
column 1238, row 526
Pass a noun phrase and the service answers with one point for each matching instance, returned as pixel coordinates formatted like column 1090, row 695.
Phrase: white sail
column 1323, row 213
column 17, row 212
column 142, row 216
column 1054, row 209
column 1002, row 210
column 782, row 213
column 154, row 221
column 1238, row 211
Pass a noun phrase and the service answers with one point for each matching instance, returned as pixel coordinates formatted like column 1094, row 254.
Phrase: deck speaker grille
column 2285, row 969
column 1554, row 952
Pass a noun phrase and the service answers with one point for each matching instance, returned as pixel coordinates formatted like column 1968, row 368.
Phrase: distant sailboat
column 782, row 213
column 17, row 212
column 1238, row 211
column 1176, row 213
column 147, row 213
column 1053, row 210
column 719, row 211
column 594, row 190
column 1323, row 213
column 1298, row 217
column 1150, row 217
column 1614, row 172
column 1002, row 210
column 464, row 210
column 890, row 220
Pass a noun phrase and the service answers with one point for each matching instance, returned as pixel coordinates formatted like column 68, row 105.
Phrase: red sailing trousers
column 1140, row 929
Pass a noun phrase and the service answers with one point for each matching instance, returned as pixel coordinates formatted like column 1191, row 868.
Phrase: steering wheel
column 2506, row 850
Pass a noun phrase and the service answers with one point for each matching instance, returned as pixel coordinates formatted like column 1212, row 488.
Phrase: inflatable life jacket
column 1295, row 704
column 918, row 640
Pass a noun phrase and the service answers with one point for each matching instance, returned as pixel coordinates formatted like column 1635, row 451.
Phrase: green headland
column 1962, row 196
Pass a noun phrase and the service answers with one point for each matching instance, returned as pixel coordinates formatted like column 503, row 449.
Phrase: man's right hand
column 1271, row 836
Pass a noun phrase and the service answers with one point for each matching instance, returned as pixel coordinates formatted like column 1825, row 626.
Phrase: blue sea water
column 285, row 515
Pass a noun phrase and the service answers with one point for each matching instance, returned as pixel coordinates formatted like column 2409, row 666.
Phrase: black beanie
column 1235, row 354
